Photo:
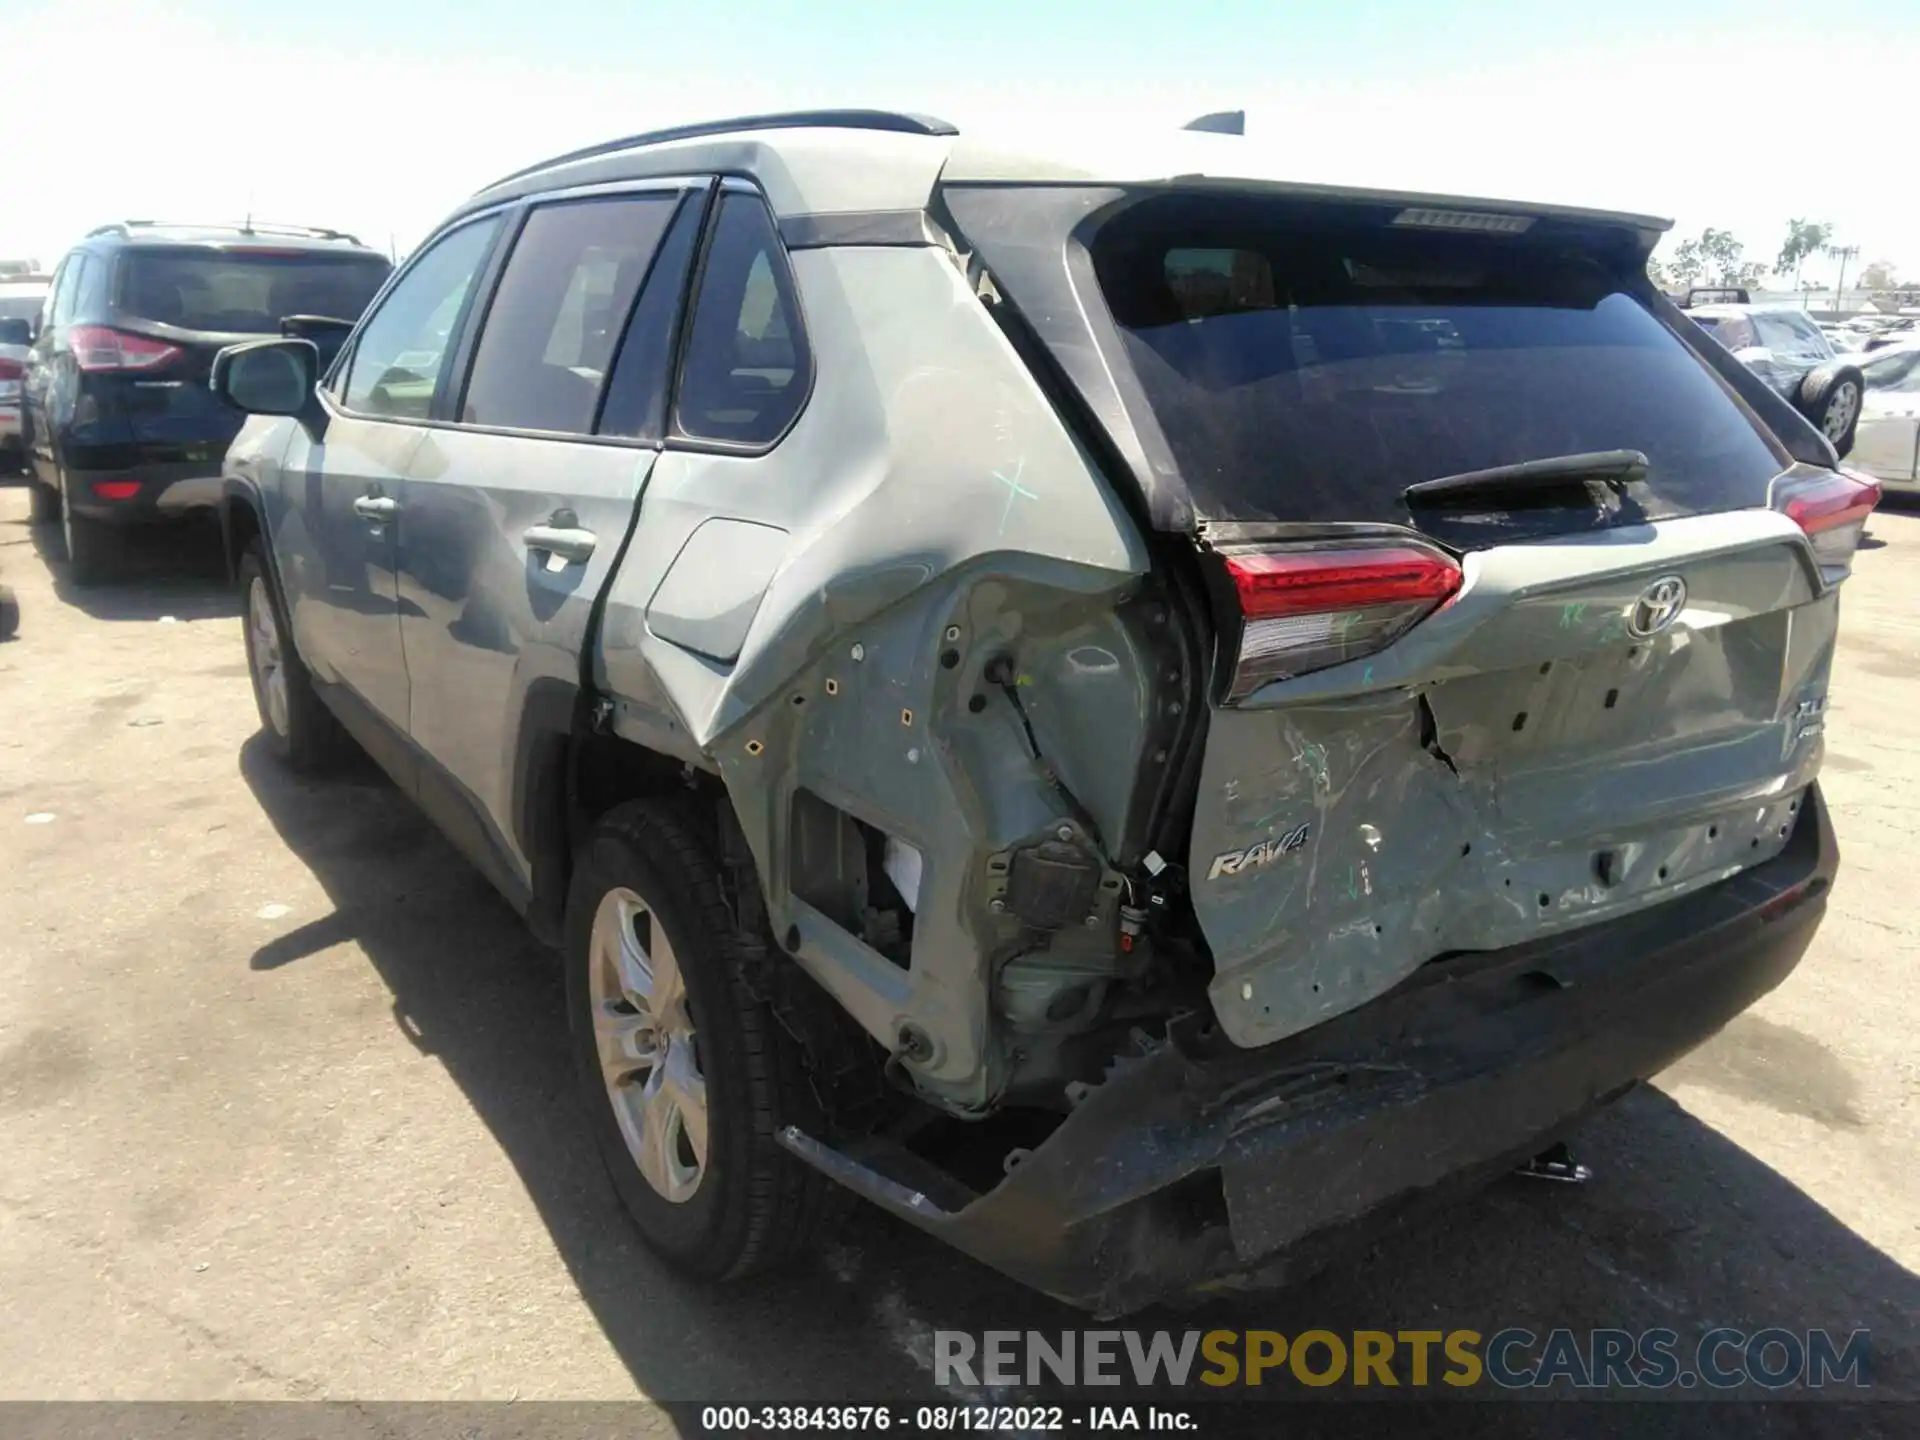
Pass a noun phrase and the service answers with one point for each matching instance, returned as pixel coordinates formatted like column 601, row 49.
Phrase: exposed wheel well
column 591, row 775
column 239, row 528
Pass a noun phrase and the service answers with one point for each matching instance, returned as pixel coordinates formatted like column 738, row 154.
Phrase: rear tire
column 687, row 1074
column 44, row 503
column 91, row 548
column 297, row 725
column 1830, row 397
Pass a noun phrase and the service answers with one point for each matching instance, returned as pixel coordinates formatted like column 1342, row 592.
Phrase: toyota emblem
column 1659, row 606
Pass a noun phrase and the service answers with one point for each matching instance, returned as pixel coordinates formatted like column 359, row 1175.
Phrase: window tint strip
column 634, row 401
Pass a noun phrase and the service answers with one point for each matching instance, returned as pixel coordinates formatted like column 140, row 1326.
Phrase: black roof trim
column 898, row 122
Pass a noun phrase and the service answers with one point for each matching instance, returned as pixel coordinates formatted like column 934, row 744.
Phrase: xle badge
column 1233, row 862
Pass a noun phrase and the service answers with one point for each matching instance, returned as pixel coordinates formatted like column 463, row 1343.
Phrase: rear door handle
column 561, row 541
column 376, row 507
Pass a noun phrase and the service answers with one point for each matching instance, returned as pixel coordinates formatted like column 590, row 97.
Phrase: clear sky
column 378, row 115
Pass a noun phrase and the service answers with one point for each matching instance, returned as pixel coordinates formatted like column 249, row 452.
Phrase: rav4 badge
column 1264, row 852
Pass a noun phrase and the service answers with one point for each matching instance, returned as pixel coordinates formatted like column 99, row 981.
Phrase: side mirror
column 16, row 332
column 268, row 377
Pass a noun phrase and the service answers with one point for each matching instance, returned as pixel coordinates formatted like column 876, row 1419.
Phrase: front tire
column 295, row 721
column 687, row 1074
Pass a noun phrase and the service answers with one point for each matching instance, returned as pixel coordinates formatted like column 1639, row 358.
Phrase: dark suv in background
column 120, row 425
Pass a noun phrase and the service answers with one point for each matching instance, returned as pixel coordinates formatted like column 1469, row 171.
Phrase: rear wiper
column 1607, row 467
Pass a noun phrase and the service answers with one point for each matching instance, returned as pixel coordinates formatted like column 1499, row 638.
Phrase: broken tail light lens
column 100, row 347
column 1305, row 608
column 1832, row 508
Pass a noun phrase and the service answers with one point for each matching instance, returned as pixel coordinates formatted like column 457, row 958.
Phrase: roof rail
column 242, row 227
column 898, row 122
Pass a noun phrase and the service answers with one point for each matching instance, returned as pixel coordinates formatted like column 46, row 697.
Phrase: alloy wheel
column 1842, row 406
column 649, row 1058
column 264, row 654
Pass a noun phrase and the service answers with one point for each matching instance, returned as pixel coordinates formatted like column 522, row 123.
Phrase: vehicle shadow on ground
column 173, row 569
column 1681, row 1228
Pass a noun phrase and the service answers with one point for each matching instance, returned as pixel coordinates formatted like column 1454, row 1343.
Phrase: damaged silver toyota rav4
column 1143, row 718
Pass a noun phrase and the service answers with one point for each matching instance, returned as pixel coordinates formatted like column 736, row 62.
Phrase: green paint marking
column 1015, row 490
column 1353, row 884
column 1572, row 615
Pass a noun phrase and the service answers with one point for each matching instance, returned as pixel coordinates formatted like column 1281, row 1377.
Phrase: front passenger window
column 746, row 370
column 398, row 357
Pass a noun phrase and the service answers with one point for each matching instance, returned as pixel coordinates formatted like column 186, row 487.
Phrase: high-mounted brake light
column 1832, row 508
column 1309, row 607
column 99, row 347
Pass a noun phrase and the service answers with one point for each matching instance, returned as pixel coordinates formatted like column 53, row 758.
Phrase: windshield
column 20, row 307
column 1893, row 370
column 1307, row 375
column 245, row 291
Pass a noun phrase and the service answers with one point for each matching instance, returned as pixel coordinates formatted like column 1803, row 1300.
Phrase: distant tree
column 1804, row 238
column 1842, row 253
column 1714, row 258
column 1722, row 254
column 1687, row 265
column 1657, row 273
column 1879, row 276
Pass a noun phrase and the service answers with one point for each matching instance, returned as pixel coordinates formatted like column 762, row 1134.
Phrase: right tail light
column 1306, row 607
column 1832, row 507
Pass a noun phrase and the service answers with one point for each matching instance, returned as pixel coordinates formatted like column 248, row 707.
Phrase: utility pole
column 1842, row 253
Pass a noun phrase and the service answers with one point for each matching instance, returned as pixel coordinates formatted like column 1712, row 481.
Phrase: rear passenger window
column 90, row 297
column 397, row 358
column 561, row 306
column 746, row 369
column 64, row 288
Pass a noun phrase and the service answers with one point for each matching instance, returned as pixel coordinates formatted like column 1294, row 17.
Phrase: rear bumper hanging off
column 1201, row 1167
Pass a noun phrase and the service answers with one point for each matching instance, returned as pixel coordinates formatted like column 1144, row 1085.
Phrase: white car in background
column 20, row 302
column 1886, row 444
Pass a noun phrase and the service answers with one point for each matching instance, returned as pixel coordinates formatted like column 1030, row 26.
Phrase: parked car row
column 118, row 426
column 1887, row 446
column 1084, row 695
column 20, row 304
column 1792, row 357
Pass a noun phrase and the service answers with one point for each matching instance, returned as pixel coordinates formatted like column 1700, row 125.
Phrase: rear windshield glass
column 21, row 307
column 244, row 291
column 1312, row 374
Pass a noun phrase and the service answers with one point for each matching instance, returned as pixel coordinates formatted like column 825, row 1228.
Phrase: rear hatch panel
column 200, row 299
column 1272, row 367
column 1519, row 763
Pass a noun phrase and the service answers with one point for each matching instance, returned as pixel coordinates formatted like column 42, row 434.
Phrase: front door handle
column 565, row 542
column 376, row 507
